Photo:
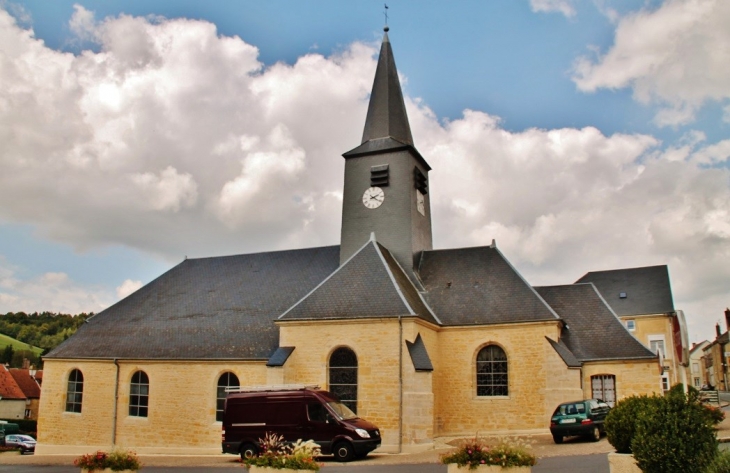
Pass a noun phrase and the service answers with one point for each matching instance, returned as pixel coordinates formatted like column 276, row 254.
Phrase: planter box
column 454, row 468
column 622, row 463
column 107, row 470
column 266, row 469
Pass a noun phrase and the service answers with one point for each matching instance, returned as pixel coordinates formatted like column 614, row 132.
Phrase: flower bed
column 277, row 455
column 116, row 460
column 478, row 455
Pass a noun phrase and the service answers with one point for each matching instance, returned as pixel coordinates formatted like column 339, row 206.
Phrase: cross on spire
column 385, row 12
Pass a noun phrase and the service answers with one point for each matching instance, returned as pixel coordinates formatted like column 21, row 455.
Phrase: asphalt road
column 569, row 464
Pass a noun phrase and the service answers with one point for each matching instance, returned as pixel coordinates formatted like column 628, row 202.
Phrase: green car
column 584, row 418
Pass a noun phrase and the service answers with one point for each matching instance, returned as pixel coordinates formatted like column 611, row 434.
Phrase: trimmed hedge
column 721, row 463
column 621, row 420
column 675, row 434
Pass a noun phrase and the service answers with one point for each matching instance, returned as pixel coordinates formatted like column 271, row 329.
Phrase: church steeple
column 387, row 110
column 386, row 178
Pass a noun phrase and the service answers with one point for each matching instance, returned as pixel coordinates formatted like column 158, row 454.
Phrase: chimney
column 717, row 330
column 26, row 363
column 727, row 319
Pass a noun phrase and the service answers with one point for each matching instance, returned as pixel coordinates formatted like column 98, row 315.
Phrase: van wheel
column 595, row 435
column 249, row 450
column 343, row 452
column 557, row 438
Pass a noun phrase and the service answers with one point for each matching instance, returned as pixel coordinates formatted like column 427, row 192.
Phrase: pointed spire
column 387, row 111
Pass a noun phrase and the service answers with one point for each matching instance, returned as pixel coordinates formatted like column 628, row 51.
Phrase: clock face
column 373, row 197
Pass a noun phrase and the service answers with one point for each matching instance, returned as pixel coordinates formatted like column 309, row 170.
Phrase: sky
column 580, row 135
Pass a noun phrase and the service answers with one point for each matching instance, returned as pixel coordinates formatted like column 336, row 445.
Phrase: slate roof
column 592, row 332
column 387, row 110
column 570, row 360
column 207, row 308
column 369, row 284
column 280, row 356
column 647, row 289
column 9, row 388
column 475, row 286
column 386, row 125
column 419, row 354
column 26, row 383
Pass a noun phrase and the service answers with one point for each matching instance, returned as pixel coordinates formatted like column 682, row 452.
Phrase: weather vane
column 385, row 12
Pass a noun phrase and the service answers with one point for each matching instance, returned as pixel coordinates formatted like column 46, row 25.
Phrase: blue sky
column 582, row 135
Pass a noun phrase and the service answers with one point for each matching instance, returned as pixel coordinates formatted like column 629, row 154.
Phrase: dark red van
column 305, row 413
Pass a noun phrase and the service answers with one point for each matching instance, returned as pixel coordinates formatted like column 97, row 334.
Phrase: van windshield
column 342, row 411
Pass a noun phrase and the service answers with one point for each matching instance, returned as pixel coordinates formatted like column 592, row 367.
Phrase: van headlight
column 363, row 433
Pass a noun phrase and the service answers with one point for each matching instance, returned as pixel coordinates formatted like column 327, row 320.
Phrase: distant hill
column 31, row 335
column 18, row 345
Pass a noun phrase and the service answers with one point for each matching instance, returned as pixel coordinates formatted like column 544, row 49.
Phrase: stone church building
column 424, row 343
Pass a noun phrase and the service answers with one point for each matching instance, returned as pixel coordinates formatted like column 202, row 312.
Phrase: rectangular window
column 631, row 325
column 665, row 382
column 697, row 382
column 603, row 387
column 695, row 367
column 656, row 344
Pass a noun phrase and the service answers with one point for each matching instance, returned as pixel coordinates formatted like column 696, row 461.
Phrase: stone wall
column 376, row 344
column 532, row 371
column 182, row 404
column 632, row 377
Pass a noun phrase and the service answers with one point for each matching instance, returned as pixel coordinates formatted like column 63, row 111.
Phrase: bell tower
column 386, row 189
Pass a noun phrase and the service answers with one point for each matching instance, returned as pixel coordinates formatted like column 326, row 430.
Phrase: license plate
column 567, row 421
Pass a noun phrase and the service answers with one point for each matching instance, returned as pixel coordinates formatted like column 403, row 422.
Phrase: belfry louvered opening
column 420, row 181
column 379, row 176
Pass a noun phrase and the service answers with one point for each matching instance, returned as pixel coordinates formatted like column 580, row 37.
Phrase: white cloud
column 52, row 291
column 175, row 140
column 561, row 6
column 676, row 56
column 127, row 288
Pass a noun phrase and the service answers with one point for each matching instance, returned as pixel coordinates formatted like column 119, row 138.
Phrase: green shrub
column 674, row 434
column 715, row 414
column 621, row 420
column 721, row 463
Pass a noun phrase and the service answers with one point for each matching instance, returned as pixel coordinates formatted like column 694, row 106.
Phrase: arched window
column 75, row 391
column 343, row 377
column 227, row 380
column 492, row 372
column 139, row 394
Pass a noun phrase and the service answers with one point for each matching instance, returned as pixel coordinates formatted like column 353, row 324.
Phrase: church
column 423, row 342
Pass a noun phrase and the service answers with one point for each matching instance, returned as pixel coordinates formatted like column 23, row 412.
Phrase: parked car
column 25, row 443
column 295, row 412
column 585, row 418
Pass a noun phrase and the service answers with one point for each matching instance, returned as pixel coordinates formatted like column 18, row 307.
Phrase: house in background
column 716, row 356
column 696, row 374
column 13, row 401
column 20, row 392
column 26, row 380
column 642, row 299
column 423, row 342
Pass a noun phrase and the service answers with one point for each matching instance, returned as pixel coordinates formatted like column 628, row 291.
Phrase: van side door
column 321, row 426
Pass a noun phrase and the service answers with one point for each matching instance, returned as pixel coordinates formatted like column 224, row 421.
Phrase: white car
column 25, row 443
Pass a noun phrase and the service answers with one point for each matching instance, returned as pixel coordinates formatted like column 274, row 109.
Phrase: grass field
column 17, row 345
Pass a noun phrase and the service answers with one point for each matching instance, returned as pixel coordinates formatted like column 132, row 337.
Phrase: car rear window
column 572, row 408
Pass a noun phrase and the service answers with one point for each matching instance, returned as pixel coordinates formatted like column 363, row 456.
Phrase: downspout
column 400, row 384
column 116, row 402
